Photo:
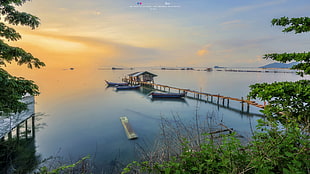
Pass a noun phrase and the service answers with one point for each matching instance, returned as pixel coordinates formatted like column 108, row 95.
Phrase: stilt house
column 143, row 76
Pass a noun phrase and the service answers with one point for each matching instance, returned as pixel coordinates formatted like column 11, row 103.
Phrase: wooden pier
column 15, row 122
column 219, row 99
column 128, row 129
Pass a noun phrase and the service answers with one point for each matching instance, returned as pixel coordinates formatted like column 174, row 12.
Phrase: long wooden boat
column 116, row 84
column 167, row 95
column 127, row 87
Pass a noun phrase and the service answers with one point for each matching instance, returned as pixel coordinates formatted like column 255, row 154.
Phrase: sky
column 174, row 33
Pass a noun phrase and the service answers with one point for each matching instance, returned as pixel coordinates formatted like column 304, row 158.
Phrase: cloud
column 231, row 22
column 203, row 51
column 256, row 6
column 56, row 49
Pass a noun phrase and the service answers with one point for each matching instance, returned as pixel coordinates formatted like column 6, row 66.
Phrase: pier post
column 228, row 103
column 26, row 128
column 10, row 135
column 223, row 101
column 33, row 126
column 17, row 132
column 211, row 99
column 248, row 105
column 242, row 104
column 218, row 99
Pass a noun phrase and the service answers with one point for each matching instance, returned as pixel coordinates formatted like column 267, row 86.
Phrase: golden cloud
column 204, row 50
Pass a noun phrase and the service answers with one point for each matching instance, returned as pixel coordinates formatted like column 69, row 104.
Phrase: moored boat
column 167, row 95
column 127, row 87
column 116, row 84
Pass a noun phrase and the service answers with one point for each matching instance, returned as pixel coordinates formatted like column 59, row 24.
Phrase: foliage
column 286, row 100
column 271, row 151
column 303, row 58
column 78, row 167
column 298, row 25
column 13, row 88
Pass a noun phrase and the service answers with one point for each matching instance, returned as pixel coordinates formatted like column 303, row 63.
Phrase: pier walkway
column 200, row 95
column 8, row 123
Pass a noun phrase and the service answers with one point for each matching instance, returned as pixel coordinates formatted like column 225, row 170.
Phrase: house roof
column 136, row 74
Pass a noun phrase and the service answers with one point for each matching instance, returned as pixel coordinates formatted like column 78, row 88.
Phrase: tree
column 288, row 101
column 14, row 88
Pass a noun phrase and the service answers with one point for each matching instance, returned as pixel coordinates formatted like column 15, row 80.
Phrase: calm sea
column 80, row 114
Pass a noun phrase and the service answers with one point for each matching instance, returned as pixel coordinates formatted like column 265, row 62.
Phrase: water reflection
column 84, row 113
column 18, row 150
column 18, row 156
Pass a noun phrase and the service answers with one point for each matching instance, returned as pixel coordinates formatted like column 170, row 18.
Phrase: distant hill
column 279, row 65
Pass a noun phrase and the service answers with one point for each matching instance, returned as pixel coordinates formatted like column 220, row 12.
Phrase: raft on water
column 128, row 129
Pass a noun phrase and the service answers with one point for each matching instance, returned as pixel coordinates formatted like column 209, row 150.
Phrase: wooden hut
column 143, row 76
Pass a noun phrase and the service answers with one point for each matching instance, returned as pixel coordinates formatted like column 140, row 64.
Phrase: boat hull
column 127, row 87
column 167, row 95
column 116, row 84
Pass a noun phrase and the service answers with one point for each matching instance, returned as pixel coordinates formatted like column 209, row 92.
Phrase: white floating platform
column 128, row 129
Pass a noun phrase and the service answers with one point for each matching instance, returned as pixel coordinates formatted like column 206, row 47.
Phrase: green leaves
column 272, row 151
column 298, row 25
column 286, row 100
column 303, row 58
column 9, row 33
column 12, row 90
column 9, row 54
column 16, row 2
column 287, row 57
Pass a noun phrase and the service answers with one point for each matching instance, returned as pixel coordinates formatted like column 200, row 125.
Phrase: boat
column 116, row 84
column 167, row 95
column 127, row 87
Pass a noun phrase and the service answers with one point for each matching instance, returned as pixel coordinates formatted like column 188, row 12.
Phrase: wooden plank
column 128, row 129
column 220, row 131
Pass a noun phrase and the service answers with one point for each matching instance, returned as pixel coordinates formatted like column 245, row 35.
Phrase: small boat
column 116, row 84
column 167, row 95
column 127, row 87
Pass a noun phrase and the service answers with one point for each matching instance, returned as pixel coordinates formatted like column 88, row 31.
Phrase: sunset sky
column 173, row 33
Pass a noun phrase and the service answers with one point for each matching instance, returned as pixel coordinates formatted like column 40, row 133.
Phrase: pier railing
column 14, row 121
column 200, row 95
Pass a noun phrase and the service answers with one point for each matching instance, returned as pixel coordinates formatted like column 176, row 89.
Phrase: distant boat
column 127, row 87
column 114, row 68
column 167, row 95
column 209, row 69
column 116, row 84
